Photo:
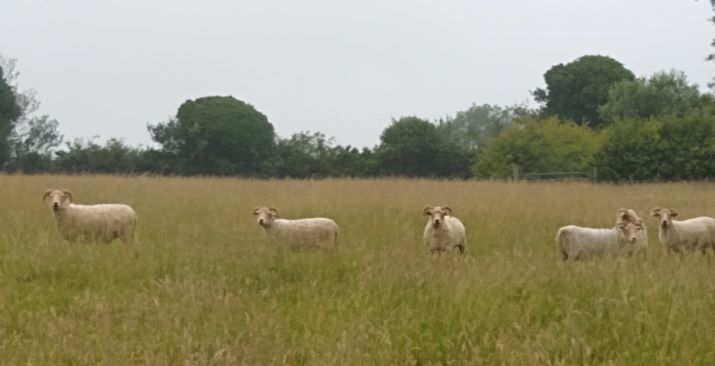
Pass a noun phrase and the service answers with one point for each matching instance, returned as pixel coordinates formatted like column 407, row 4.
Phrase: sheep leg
column 461, row 248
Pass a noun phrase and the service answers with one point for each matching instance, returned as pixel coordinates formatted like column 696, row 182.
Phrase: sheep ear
column 673, row 213
column 273, row 211
column 622, row 213
column 47, row 194
column 655, row 212
column 427, row 210
column 447, row 210
column 68, row 194
column 256, row 210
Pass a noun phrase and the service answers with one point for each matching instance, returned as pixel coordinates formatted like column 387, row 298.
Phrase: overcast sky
column 344, row 68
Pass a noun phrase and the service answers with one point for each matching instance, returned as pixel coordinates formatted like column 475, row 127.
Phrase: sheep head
column 628, row 232
column 628, row 215
column 665, row 215
column 436, row 214
column 57, row 199
column 265, row 215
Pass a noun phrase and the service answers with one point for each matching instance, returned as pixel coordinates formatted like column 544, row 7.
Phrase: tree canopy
column 9, row 113
column 217, row 135
column 411, row 147
column 661, row 94
column 477, row 126
column 574, row 91
column 538, row 145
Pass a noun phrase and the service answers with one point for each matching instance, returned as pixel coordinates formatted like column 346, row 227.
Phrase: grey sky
column 344, row 68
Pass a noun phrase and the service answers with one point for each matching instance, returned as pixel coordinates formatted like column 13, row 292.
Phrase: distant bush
column 538, row 145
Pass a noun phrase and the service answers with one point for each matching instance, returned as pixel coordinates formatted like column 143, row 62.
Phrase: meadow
column 200, row 287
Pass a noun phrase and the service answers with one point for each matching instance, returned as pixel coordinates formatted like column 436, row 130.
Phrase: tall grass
column 201, row 288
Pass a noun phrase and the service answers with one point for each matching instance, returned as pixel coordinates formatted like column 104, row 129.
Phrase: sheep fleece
column 101, row 223
column 303, row 233
column 452, row 234
column 577, row 242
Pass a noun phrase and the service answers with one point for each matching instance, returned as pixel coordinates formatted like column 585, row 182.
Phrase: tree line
column 593, row 113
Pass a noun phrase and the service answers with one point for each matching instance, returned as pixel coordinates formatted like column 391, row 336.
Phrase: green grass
column 201, row 288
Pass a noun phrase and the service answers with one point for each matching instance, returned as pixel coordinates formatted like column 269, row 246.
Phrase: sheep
column 91, row 223
column 641, row 244
column 443, row 231
column 310, row 233
column 693, row 234
column 579, row 243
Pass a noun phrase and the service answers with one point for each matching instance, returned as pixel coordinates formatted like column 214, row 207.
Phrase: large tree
column 29, row 140
column 575, row 90
column 661, row 94
column 9, row 113
column 478, row 125
column 216, row 135
column 412, row 147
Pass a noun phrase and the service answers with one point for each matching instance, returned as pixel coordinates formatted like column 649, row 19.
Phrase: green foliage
column 411, row 147
column 9, row 113
column 303, row 155
column 81, row 156
column 664, row 148
column 631, row 150
column 313, row 155
column 688, row 151
column 574, row 91
column 477, row 126
column 538, row 146
column 663, row 93
column 216, row 135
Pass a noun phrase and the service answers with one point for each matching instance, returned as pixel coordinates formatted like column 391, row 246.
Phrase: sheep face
column 627, row 232
column 57, row 199
column 436, row 215
column 665, row 216
column 265, row 215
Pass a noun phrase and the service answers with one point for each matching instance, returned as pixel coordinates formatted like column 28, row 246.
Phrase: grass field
column 201, row 288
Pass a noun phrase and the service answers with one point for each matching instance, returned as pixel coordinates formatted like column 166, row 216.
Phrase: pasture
column 200, row 287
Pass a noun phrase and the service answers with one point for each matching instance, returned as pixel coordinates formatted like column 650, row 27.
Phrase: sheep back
column 577, row 243
column 97, row 223
column 693, row 234
column 318, row 233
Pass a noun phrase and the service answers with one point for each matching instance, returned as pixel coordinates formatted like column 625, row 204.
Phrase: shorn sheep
column 640, row 246
column 311, row 233
column 581, row 243
column 91, row 223
column 443, row 231
column 692, row 234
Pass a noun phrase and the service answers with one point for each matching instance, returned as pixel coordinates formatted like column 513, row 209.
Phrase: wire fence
column 591, row 175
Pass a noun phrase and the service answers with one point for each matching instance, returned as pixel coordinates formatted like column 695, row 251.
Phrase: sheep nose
column 260, row 221
column 55, row 205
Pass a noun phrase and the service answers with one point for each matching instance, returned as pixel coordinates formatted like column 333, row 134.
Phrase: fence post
column 595, row 175
column 515, row 172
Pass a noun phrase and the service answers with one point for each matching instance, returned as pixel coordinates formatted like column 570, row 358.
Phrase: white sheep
column 91, row 223
column 692, row 234
column 580, row 243
column 443, row 231
column 315, row 233
column 640, row 246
